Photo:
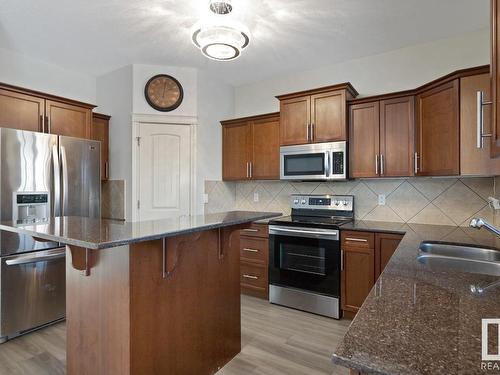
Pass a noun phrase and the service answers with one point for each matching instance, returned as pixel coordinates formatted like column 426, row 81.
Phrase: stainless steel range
column 41, row 175
column 305, row 256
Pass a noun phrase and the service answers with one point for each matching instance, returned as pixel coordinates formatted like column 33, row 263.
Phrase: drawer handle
column 250, row 230
column 356, row 239
column 250, row 250
column 250, row 277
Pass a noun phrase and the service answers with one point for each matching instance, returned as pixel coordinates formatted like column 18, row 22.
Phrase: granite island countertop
column 102, row 233
column 417, row 319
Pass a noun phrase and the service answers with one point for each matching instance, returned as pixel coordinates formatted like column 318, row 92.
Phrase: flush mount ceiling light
column 220, row 37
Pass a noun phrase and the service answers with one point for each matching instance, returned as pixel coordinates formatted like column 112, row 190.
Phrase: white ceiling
column 96, row 36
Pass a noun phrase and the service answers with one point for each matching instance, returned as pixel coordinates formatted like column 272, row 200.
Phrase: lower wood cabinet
column 254, row 261
column 364, row 257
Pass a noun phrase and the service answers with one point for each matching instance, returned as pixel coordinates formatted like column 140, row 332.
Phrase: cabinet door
column 357, row 277
column 437, row 131
column 235, row 151
column 68, row 120
column 295, row 116
column 385, row 245
column 328, row 117
column 475, row 161
column 265, row 147
column 19, row 111
column 100, row 132
column 397, row 123
column 364, row 140
column 495, row 77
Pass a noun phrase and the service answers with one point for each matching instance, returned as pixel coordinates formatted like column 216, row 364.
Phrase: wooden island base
column 139, row 309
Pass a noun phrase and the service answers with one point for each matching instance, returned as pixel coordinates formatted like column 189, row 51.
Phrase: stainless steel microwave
column 319, row 161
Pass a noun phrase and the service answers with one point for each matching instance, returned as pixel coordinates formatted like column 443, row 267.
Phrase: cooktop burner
column 324, row 211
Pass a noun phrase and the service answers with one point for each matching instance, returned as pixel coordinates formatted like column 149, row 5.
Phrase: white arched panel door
column 164, row 171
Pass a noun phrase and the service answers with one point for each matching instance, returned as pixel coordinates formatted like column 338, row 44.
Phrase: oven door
column 305, row 258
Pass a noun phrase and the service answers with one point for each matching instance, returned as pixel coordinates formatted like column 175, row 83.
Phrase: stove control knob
column 345, row 203
column 295, row 201
column 303, row 201
column 336, row 203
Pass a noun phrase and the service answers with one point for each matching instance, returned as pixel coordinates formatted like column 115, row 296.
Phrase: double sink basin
column 464, row 258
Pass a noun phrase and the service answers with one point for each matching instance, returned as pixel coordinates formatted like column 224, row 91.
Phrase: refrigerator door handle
column 57, row 181
column 64, row 177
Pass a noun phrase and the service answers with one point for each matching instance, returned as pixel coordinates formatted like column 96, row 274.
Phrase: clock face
column 163, row 93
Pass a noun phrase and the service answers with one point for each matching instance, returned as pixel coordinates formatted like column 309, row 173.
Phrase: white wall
column 114, row 95
column 20, row 70
column 396, row 70
column 215, row 103
column 186, row 77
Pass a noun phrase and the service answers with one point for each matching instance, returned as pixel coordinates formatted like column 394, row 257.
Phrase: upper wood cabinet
column 438, row 130
column 100, row 132
column 381, row 138
column 20, row 111
column 68, row 119
column 475, row 161
column 495, row 77
column 250, row 148
column 315, row 116
column 35, row 111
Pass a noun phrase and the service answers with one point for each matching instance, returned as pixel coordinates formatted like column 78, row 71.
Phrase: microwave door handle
column 327, row 164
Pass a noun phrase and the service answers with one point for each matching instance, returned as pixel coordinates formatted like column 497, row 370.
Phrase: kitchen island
column 151, row 297
column 420, row 319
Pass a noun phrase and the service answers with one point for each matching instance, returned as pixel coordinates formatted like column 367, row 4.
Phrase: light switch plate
column 205, row 198
column 381, row 199
column 255, row 197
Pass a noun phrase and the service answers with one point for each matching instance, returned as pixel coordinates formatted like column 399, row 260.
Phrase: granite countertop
column 418, row 319
column 101, row 233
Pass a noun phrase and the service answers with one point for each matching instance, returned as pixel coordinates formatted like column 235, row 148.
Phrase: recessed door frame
column 166, row 120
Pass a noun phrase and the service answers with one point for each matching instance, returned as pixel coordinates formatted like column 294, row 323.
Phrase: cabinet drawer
column 256, row 230
column 357, row 239
column 254, row 249
column 253, row 276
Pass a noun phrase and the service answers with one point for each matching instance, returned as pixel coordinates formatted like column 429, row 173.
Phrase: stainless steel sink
column 464, row 258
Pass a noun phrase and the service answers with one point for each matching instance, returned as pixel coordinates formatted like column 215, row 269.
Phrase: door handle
column 307, row 133
column 415, row 160
column 250, row 277
column 248, row 174
column 250, row 250
column 376, row 164
column 250, row 230
column 251, row 169
column 106, row 169
column 64, row 177
column 356, row 239
column 381, row 164
column 57, row 181
column 312, row 132
column 480, row 120
column 43, row 256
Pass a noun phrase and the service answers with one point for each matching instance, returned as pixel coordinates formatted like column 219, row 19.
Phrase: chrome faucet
column 478, row 223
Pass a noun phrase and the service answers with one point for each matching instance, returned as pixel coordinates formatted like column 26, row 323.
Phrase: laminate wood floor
column 275, row 341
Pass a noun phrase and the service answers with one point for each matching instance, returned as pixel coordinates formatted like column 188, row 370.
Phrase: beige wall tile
column 431, row 215
column 406, row 201
column 380, row 186
column 383, row 213
column 364, row 200
column 483, row 186
column 431, row 188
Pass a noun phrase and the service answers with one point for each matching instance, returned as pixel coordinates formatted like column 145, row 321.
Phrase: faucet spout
column 479, row 223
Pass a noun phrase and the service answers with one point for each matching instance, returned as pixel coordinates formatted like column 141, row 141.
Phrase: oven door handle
column 305, row 232
column 43, row 256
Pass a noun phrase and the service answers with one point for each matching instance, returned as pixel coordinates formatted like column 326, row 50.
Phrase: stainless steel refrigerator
column 41, row 176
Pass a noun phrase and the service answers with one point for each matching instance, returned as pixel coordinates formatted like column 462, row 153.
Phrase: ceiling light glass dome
column 220, row 37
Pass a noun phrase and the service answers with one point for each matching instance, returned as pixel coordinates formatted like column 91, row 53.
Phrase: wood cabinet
column 20, row 111
column 315, row 116
column 381, row 138
column 475, row 161
column 364, row 257
column 438, row 130
column 385, row 246
column 68, row 119
column 35, row 111
column 495, row 78
column 100, row 132
column 254, row 261
column 250, row 148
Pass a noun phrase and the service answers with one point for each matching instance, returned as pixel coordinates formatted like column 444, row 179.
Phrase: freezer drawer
column 32, row 289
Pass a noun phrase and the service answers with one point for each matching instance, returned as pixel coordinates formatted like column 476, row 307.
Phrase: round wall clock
column 163, row 93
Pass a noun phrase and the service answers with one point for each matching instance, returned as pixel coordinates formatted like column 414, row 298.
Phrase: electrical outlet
column 205, row 198
column 381, row 199
column 255, row 197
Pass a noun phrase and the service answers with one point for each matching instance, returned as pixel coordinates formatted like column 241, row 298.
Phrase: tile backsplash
column 113, row 199
column 447, row 201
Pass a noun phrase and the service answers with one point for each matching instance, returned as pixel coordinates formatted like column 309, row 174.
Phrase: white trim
column 137, row 119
